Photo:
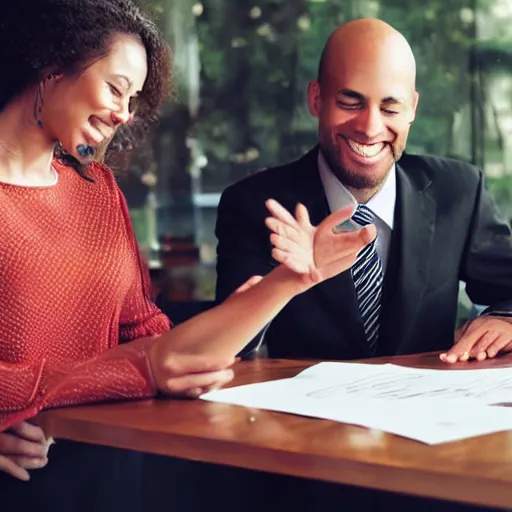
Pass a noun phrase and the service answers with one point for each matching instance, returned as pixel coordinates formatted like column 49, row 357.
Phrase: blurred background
column 241, row 72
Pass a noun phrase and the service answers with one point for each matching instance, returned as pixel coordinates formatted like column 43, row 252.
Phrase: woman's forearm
column 229, row 327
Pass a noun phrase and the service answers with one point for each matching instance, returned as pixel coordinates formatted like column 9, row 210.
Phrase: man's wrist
column 507, row 319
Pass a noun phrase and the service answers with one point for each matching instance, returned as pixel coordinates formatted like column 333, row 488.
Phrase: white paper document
column 431, row 406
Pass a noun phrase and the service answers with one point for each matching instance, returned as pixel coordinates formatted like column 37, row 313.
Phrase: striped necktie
column 368, row 276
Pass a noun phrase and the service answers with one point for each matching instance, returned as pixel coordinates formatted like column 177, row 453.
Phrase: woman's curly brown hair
column 66, row 36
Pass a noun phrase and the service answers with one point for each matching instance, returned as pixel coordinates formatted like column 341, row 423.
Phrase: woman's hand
column 316, row 253
column 23, row 447
column 190, row 375
column 187, row 375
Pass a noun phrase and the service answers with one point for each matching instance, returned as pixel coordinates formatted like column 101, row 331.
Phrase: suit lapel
column 415, row 217
column 310, row 189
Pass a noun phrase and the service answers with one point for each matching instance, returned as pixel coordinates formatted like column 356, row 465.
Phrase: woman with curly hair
column 80, row 78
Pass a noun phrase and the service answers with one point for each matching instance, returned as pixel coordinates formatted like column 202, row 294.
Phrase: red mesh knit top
column 72, row 288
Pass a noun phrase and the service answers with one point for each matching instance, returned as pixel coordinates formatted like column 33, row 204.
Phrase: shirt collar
column 382, row 204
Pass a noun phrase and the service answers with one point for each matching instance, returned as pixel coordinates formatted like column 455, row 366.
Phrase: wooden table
column 477, row 471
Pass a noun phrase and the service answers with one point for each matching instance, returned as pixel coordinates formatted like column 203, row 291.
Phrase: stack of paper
column 431, row 406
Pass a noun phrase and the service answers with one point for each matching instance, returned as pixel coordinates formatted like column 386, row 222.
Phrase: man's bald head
column 370, row 40
column 365, row 100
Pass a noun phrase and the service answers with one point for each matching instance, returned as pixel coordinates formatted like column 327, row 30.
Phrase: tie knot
column 363, row 215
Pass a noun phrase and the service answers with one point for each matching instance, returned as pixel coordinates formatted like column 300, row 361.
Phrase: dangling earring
column 38, row 106
column 39, row 102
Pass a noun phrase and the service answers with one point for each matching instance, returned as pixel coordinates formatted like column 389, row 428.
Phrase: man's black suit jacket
column 446, row 229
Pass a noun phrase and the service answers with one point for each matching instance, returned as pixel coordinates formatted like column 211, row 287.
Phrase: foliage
column 257, row 56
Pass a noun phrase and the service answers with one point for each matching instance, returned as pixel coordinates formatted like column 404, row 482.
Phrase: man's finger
column 479, row 349
column 461, row 350
column 463, row 329
column 280, row 212
column 10, row 467
column 459, row 333
column 499, row 345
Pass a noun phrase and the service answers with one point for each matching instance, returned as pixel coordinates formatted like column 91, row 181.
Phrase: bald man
column 436, row 224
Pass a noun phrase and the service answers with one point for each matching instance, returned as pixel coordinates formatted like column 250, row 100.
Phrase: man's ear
column 415, row 101
column 314, row 98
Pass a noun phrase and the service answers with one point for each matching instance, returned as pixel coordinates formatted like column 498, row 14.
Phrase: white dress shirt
column 382, row 204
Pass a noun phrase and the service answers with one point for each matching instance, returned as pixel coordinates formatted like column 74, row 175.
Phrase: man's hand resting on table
column 482, row 338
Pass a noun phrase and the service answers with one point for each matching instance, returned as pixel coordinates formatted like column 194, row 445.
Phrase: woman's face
column 83, row 111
